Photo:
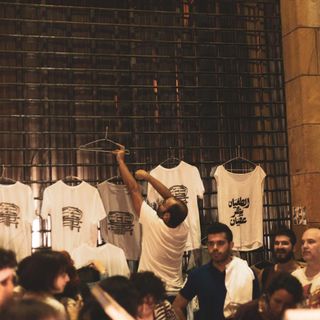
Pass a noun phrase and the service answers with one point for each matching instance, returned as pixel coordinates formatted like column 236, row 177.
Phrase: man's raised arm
column 129, row 181
column 160, row 187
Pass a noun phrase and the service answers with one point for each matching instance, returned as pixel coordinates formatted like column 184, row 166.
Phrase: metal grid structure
column 198, row 80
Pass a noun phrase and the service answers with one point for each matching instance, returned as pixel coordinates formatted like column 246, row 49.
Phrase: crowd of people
column 47, row 286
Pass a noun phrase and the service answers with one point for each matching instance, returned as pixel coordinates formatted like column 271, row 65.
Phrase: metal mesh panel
column 200, row 80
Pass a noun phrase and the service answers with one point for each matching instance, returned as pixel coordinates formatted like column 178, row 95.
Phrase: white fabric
column 239, row 284
column 75, row 212
column 240, row 205
column 112, row 258
column 121, row 225
column 185, row 183
column 162, row 248
column 311, row 287
column 17, row 212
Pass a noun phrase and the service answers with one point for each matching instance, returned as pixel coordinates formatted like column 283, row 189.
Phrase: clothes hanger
column 171, row 161
column 4, row 179
column 115, row 180
column 238, row 158
column 74, row 180
column 90, row 146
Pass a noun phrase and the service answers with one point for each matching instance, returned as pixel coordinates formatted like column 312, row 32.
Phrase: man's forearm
column 159, row 186
column 127, row 177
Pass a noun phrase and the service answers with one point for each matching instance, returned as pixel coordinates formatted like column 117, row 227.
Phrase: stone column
column 301, row 55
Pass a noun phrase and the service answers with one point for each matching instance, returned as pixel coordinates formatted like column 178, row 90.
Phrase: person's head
column 283, row 245
column 172, row 211
column 151, row 292
column 121, row 289
column 284, row 292
column 29, row 309
column 8, row 263
column 44, row 271
column 219, row 242
column 311, row 245
column 72, row 288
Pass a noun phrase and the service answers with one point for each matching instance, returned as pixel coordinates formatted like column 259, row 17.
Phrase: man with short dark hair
column 164, row 231
column 284, row 241
column 8, row 264
column 222, row 284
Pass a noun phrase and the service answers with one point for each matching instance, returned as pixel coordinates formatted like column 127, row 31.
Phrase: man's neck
column 221, row 266
column 312, row 268
column 288, row 266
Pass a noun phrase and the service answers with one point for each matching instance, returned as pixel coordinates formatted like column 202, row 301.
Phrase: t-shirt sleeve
column 189, row 289
column 147, row 214
column 46, row 206
column 99, row 212
column 198, row 183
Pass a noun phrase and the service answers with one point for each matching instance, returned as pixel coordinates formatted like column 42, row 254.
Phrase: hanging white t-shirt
column 75, row 212
column 121, row 226
column 17, row 212
column 311, row 287
column 112, row 258
column 240, row 205
column 162, row 248
column 185, row 183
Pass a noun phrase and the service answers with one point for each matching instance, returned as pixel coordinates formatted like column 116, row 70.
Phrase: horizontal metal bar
column 134, row 10
column 130, row 26
column 195, row 44
column 144, row 56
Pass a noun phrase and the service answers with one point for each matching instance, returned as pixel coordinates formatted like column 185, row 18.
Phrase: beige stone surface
column 299, row 13
column 303, row 101
column 304, row 149
column 306, row 194
column 300, row 53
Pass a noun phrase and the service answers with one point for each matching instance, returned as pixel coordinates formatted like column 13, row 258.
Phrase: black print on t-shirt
column 238, row 205
column 120, row 222
column 71, row 217
column 9, row 214
column 180, row 192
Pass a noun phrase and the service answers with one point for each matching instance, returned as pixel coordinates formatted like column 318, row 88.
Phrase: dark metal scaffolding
column 200, row 80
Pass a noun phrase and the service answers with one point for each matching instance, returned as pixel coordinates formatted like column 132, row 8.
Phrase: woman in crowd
column 43, row 275
column 153, row 305
column 284, row 292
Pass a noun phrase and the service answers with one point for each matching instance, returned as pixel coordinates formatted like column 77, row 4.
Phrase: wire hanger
column 73, row 180
column 239, row 158
column 4, row 179
column 115, row 180
column 171, row 161
column 90, row 146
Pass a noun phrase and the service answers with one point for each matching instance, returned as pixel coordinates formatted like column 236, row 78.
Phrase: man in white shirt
column 164, row 231
column 309, row 276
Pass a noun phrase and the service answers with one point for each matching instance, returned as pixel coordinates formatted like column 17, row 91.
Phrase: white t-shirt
column 112, row 258
column 185, row 183
column 75, row 212
column 162, row 248
column 240, row 205
column 311, row 287
column 121, row 225
column 17, row 212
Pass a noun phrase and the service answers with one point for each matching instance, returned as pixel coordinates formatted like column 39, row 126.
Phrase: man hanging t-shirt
column 121, row 226
column 75, row 212
column 16, row 215
column 162, row 248
column 240, row 205
column 185, row 183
